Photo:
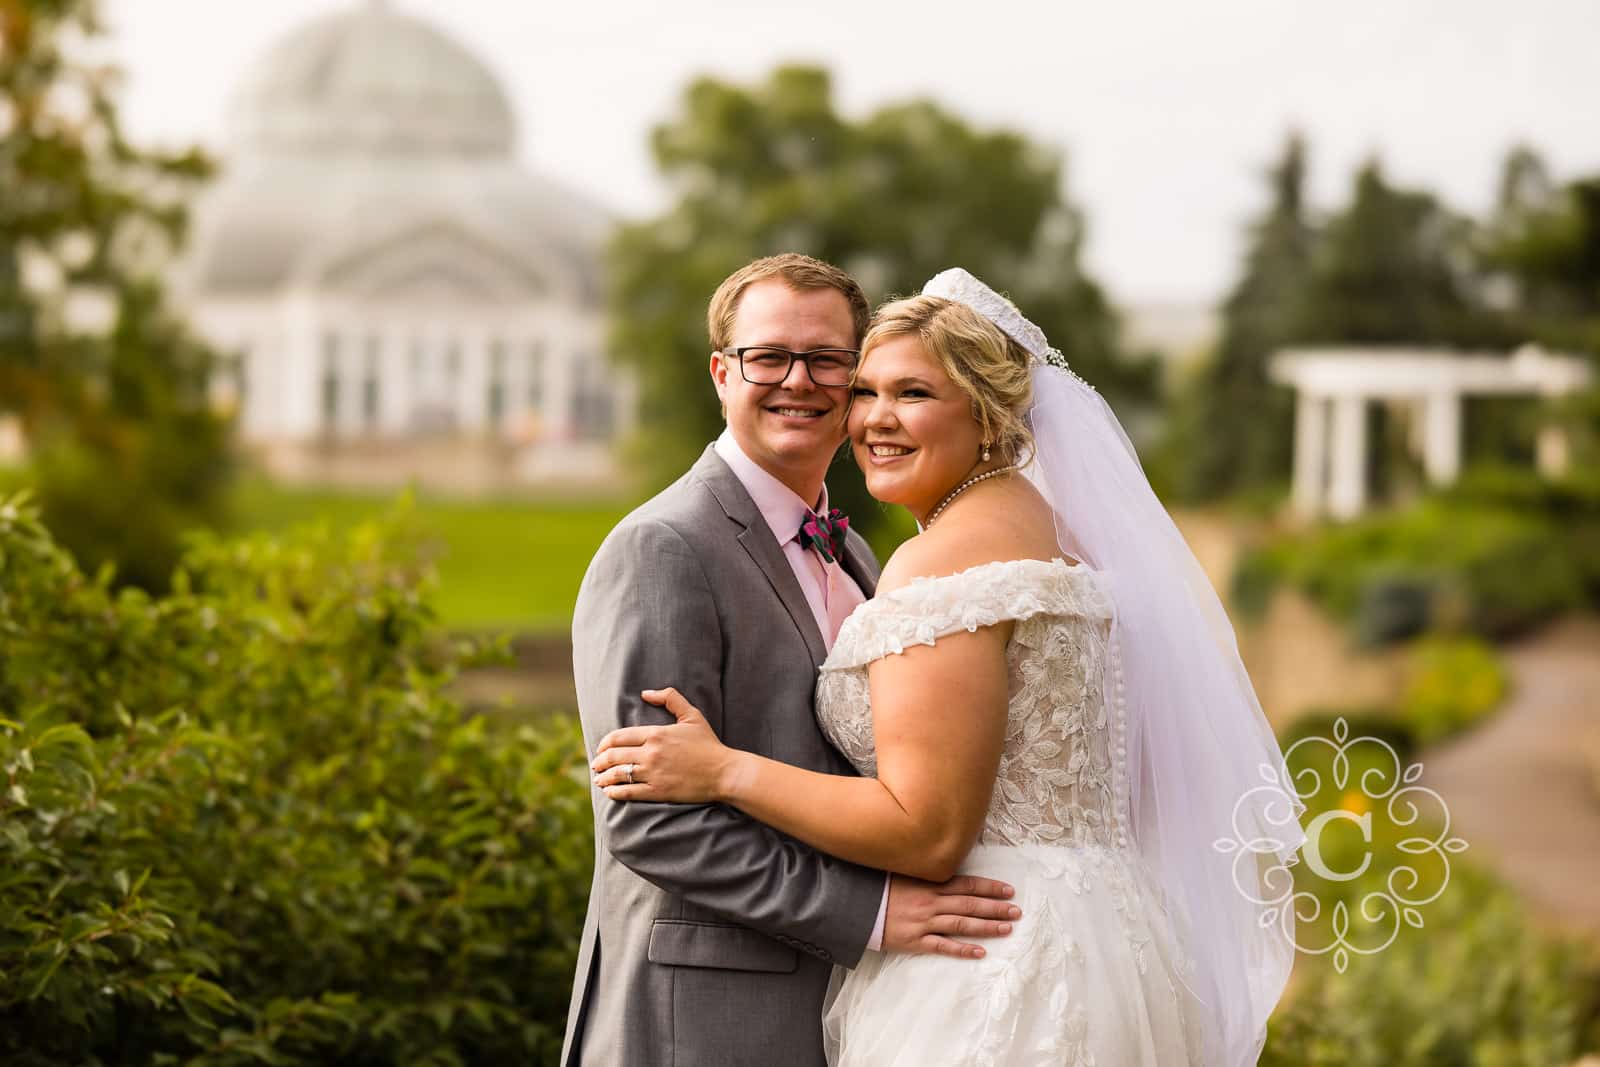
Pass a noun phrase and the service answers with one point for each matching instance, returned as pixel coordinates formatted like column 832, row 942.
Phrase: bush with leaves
column 1455, row 683
column 1497, row 556
column 1477, row 986
column 1467, row 980
column 244, row 822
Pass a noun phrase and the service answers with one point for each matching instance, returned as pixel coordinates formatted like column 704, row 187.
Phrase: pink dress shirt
column 830, row 592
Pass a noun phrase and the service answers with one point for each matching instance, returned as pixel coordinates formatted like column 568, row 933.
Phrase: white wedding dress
column 1091, row 974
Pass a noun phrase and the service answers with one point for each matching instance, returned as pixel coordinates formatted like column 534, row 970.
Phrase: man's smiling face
column 791, row 429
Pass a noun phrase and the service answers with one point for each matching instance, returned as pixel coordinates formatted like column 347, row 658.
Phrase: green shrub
column 243, row 823
column 1446, row 563
column 1455, row 683
column 1382, row 723
column 1474, row 985
column 1477, row 986
column 1394, row 606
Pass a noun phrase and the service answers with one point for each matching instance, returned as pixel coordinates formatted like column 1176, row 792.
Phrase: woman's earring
column 986, row 451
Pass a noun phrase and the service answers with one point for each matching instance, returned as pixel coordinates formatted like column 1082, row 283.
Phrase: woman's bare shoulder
column 1012, row 525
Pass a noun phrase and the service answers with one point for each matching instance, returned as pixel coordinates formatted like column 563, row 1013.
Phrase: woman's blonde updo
column 980, row 358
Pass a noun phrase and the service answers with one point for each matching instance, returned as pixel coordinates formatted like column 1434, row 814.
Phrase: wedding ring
column 627, row 771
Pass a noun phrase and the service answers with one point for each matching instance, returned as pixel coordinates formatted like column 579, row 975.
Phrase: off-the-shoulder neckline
column 1056, row 564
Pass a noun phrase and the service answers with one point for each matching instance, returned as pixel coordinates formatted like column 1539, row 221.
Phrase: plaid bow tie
column 825, row 533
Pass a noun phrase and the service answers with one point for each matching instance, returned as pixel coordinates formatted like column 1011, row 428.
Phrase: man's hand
column 927, row 917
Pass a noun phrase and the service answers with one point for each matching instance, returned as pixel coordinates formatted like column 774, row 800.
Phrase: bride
column 1045, row 689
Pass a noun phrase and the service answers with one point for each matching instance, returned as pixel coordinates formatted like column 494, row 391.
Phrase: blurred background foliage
column 1499, row 553
column 110, row 388
column 1395, row 266
column 1477, row 983
column 893, row 198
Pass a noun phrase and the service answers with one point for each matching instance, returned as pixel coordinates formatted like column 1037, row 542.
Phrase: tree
column 1397, row 267
column 894, row 198
column 1545, row 241
column 1543, row 244
column 110, row 389
column 1236, row 427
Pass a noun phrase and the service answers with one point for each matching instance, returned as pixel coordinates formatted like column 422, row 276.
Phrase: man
column 710, row 937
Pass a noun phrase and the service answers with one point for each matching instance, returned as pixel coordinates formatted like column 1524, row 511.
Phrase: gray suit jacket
column 710, row 937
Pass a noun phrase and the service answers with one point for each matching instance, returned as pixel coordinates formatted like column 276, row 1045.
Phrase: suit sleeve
column 646, row 618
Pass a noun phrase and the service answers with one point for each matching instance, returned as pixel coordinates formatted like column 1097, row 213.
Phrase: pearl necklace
column 963, row 487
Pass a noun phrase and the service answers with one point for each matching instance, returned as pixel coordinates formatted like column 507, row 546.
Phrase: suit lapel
column 757, row 540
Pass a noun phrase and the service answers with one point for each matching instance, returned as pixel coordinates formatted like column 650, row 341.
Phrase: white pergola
column 1334, row 385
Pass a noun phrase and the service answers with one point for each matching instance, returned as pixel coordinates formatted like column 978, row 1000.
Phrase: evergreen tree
column 1235, row 429
column 1544, row 240
column 1396, row 268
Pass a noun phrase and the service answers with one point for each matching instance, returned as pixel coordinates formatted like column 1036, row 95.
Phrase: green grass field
column 507, row 564
column 503, row 564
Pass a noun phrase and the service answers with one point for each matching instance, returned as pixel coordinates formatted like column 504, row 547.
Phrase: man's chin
column 802, row 444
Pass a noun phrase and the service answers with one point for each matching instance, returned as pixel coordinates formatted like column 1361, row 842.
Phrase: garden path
column 1524, row 788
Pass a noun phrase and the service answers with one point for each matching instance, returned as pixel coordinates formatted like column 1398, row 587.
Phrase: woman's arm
column 939, row 717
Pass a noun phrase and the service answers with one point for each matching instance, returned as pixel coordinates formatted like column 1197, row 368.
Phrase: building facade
column 397, row 298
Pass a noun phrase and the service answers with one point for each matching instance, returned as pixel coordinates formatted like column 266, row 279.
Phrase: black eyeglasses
column 765, row 365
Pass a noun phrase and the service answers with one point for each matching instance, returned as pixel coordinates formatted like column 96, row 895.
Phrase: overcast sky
column 1167, row 111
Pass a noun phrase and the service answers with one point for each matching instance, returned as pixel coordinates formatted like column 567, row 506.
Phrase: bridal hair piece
column 1203, row 766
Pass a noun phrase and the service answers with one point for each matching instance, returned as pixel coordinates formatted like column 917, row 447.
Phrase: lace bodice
column 1063, row 774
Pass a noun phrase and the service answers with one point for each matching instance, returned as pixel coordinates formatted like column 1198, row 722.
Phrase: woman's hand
column 684, row 762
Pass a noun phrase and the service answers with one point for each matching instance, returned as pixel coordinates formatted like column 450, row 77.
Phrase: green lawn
column 502, row 563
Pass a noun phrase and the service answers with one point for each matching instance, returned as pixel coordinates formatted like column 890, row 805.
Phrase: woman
column 1045, row 689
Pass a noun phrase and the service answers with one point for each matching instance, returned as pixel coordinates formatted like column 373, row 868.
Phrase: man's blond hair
column 794, row 270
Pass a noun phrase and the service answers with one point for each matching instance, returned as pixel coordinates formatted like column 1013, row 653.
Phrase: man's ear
column 719, row 375
column 719, row 378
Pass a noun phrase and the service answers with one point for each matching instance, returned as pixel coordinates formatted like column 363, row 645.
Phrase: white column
column 472, row 397
column 1552, row 451
column 1347, row 496
column 300, row 385
column 394, row 383
column 1441, row 448
column 559, row 357
column 1310, row 453
column 351, row 376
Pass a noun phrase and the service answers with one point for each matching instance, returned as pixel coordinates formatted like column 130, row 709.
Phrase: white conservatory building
column 398, row 298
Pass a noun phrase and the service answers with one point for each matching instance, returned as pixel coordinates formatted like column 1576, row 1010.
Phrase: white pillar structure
column 394, row 389
column 1347, row 491
column 1310, row 453
column 301, row 382
column 1441, row 442
column 1432, row 382
column 473, row 389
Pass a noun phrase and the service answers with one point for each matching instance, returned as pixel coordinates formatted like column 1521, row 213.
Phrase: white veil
column 1203, row 764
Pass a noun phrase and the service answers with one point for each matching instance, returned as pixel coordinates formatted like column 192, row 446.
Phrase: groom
column 710, row 938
